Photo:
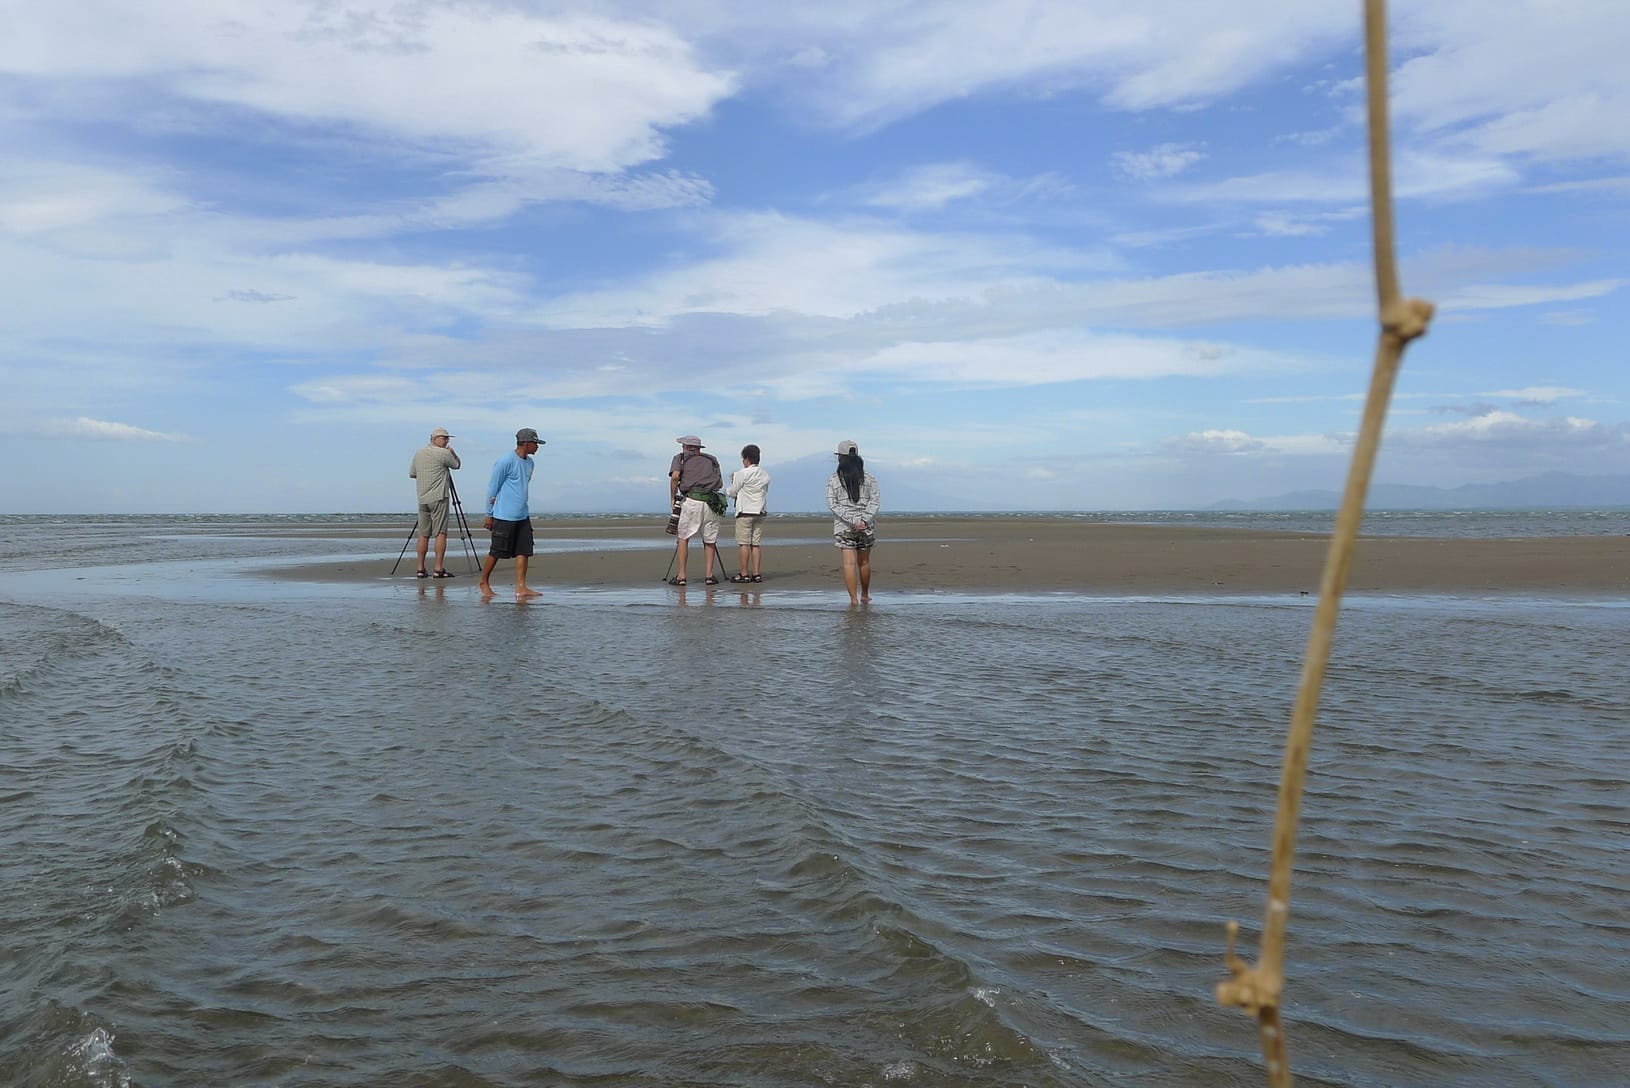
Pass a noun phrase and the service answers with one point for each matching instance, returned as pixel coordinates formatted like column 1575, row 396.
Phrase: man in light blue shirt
column 509, row 517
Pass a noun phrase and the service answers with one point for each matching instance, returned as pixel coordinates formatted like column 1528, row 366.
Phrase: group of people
column 697, row 495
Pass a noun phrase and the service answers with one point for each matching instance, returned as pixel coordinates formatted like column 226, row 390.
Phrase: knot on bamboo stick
column 1407, row 318
column 1249, row 988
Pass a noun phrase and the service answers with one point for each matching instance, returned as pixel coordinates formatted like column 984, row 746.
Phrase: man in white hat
column 696, row 476
column 431, row 467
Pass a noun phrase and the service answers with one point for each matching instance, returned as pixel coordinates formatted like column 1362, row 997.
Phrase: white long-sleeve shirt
column 750, row 487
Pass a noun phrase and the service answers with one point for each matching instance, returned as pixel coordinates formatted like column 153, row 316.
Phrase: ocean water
column 277, row 833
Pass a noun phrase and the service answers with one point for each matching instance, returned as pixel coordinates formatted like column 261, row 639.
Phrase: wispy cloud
column 104, row 431
column 1537, row 394
column 1214, row 441
column 931, row 187
column 1164, row 161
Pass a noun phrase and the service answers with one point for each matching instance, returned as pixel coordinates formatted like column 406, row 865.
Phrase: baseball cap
column 847, row 446
column 527, row 434
column 440, row 432
column 689, row 440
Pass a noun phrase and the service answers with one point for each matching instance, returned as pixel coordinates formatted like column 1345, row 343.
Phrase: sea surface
column 263, row 832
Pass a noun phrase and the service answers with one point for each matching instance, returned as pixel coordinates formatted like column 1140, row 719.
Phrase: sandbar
column 1031, row 554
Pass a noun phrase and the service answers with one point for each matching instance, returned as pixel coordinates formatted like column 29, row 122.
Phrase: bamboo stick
column 1257, row 989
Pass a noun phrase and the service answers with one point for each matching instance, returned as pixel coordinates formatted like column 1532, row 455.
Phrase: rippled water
column 267, row 833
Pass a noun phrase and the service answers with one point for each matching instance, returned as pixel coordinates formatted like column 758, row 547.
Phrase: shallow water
column 270, row 833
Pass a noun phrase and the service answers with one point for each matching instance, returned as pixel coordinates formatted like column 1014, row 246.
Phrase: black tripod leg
column 405, row 544
column 718, row 557
column 469, row 542
column 669, row 572
column 463, row 525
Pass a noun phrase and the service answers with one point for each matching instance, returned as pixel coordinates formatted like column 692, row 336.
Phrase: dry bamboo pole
column 1256, row 989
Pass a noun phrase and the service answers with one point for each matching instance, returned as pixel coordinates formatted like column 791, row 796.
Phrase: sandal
column 421, row 574
column 442, row 574
column 740, row 578
column 758, row 578
column 712, row 581
column 676, row 581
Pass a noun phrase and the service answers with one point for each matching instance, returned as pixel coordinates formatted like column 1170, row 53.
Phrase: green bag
column 715, row 499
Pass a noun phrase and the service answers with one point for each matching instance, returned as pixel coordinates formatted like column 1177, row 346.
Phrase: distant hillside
column 1552, row 490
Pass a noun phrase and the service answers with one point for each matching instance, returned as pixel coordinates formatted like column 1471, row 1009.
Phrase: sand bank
column 1042, row 554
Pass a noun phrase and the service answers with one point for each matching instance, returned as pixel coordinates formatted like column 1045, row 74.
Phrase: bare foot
column 486, row 590
column 523, row 592
column 865, row 598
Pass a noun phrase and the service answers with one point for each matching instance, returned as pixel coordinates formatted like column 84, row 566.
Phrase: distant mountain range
column 1549, row 491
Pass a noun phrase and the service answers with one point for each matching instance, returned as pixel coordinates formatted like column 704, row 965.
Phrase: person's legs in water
column 851, row 573
column 424, row 548
column 441, row 553
column 864, row 561
column 522, row 590
column 485, row 586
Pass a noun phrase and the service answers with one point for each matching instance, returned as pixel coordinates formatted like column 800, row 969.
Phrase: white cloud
column 1419, row 174
column 1291, row 225
column 1214, row 441
column 1546, row 79
column 883, row 62
column 776, row 263
column 1537, row 394
column 1509, row 429
column 104, row 430
column 505, row 83
column 1164, row 161
column 44, row 196
column 1065, row 356
column 1501, row 296
column 931, row 187
column 1236, row 443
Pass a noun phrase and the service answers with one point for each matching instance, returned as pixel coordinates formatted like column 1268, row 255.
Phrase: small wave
column 94, row 1059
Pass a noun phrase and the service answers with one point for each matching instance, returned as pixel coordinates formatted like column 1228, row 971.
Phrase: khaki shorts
column 749, row 529
column 433, row 518
column 697, row 516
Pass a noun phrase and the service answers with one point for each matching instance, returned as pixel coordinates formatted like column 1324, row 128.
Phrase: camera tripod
column 463, row 530
column 672, row 529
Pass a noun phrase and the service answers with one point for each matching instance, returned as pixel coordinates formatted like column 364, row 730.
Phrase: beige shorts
column 749, row 529
column 697, row 516
column 433, row 518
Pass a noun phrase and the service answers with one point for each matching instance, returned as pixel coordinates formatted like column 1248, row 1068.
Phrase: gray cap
column 440, row 432
column 689, row 440
column 847, row 446
column 527, row 434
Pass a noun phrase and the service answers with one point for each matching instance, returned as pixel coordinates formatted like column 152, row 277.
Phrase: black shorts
column 510, row 538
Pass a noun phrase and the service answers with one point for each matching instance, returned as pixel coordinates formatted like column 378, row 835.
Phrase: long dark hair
column 851, row 471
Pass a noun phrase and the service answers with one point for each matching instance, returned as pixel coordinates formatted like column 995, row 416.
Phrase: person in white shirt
column 750, row 487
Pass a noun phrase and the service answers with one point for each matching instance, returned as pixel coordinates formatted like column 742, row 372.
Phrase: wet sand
column 1038, row 554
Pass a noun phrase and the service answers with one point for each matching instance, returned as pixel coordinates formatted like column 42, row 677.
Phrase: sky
column 1028, row 254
